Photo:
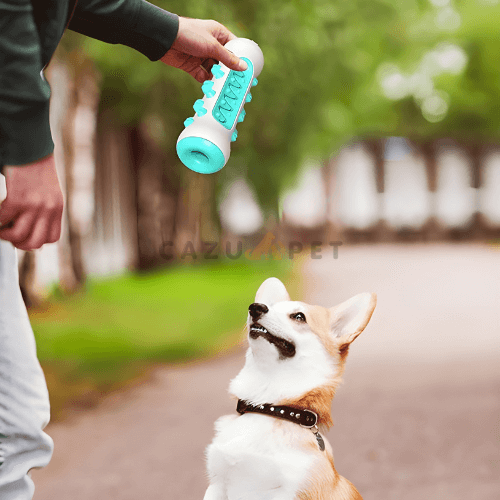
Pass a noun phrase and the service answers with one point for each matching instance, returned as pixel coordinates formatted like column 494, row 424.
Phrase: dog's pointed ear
column 271, row 292
column 349, row 319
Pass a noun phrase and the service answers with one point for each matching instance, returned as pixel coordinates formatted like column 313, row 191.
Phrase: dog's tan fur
column 326, row 483
column 335, row 488
column 320, row 399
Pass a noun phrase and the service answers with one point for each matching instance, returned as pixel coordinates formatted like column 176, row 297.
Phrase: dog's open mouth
column 285, row 348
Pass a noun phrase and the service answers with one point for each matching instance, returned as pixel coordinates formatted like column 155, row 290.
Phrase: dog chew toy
column 205, row 143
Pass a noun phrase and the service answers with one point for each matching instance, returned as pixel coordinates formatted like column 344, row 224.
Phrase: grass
column 117, row 329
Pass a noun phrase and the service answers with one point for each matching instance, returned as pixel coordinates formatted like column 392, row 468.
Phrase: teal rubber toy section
column 200, row 155
column 231, row 96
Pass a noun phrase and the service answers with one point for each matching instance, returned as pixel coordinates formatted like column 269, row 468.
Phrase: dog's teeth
column 259, row 329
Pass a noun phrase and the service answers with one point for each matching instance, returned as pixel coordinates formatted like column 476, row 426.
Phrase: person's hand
column 198, row 46
column 31, row 214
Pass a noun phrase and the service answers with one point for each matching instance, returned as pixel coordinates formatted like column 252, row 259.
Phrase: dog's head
column 295, row 347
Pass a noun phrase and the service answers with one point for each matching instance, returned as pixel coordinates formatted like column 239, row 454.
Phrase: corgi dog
column 273, row 447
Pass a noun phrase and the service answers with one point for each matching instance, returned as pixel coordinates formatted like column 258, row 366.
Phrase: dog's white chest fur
column 257, row 456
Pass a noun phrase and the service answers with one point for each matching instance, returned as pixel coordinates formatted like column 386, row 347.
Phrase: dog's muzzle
column 285, row 347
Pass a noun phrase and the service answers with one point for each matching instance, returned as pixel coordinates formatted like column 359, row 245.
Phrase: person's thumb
column 228, row 58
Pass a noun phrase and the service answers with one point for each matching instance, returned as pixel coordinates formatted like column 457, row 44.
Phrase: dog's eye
column 299, row 317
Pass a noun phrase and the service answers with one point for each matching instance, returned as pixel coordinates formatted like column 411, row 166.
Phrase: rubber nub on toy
column 200, row 155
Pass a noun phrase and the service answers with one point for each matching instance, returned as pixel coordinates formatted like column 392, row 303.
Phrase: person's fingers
column 197, row 72
column 187, row 63
column 221, row 33
column 20, row 230
column 228, row 58
column 55, row 223
column 7, row 225
column 201, row 74
column 208, row 64
column 8, row 212
column 193, row 66
column 199, row 45
column 55, row 227
column 39, row 235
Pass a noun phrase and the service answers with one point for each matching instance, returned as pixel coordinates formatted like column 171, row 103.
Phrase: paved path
column 418, row 417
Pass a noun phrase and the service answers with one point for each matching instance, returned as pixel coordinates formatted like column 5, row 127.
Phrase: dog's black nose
column 256, row 310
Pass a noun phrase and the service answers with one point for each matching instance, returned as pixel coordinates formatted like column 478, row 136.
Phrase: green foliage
column 320, row 85
column 316, row 89
column 471, row 94
column 182, row 313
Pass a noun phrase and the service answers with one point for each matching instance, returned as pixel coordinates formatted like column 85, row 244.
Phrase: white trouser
column 24, row 400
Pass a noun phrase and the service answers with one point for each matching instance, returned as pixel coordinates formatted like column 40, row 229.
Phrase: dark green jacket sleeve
column 27, row 40
column 24, row 94
column 135, row 23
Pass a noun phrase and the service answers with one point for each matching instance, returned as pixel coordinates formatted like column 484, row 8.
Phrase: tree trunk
column 376, row 148
column 478, row 227
column 432, row 229
column 333, row 231
column 196, row 223
column 81, row 96
column 157, row 192
column 114, row 244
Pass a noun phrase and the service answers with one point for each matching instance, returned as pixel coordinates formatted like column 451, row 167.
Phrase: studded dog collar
column 305, row 418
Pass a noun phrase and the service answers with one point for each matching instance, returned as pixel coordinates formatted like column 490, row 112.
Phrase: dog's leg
column 215, row 492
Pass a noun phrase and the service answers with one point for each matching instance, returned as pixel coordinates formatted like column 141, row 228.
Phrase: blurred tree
column 81, row 87
column 316, row 91
column 446, row 84
column 333, row 71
